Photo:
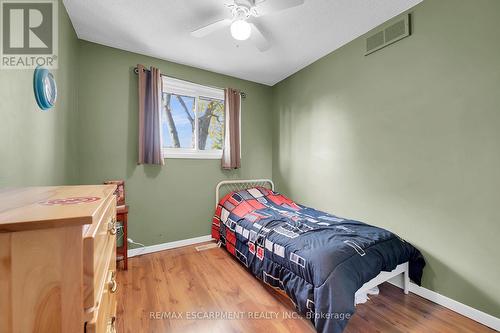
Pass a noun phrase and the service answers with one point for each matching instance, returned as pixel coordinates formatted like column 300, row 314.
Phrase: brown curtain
column 231, row 154
column 150, row 88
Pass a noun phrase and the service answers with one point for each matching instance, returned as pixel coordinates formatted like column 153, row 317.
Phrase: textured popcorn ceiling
column 299, row 36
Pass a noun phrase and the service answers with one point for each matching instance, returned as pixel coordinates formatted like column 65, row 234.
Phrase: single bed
column 318, row 259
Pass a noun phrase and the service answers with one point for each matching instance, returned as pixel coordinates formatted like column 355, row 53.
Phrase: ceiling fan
column 241, row 25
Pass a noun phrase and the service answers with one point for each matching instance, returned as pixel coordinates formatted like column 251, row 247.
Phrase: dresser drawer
column 99, row 244
column 104, row 317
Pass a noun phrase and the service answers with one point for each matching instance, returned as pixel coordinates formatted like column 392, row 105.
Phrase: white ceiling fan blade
column 265, row 7
column 210, row 28
column 258, row 39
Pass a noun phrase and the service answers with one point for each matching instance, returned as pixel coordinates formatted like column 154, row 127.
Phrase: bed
column 318, row 259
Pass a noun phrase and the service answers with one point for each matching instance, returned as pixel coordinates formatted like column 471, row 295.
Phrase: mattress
column 318, row 259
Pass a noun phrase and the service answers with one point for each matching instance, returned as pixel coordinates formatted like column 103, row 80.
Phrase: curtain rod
column 242, row 93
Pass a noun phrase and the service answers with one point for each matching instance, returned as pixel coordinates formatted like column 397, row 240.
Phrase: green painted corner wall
column 176, row 201
column 39, row 148
column 407, row 139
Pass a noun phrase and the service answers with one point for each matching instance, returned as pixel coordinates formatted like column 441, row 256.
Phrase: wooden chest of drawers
column 58, row 259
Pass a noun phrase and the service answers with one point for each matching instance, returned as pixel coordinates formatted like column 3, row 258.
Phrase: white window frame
column 184, row 88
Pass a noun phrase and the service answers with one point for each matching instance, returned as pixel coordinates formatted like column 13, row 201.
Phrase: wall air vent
column 390, row 33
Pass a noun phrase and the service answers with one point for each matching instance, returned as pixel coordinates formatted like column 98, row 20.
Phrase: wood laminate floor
column 183, row 290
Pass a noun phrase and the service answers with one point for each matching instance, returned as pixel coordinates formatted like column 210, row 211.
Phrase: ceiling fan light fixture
column 240, row 30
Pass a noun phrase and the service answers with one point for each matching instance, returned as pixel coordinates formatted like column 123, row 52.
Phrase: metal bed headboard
column 237, row 185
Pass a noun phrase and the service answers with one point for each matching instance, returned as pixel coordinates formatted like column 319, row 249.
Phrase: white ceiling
column 299, row 36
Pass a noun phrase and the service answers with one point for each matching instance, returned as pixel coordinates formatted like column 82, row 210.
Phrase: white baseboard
column 168, row 246
column 464, row 310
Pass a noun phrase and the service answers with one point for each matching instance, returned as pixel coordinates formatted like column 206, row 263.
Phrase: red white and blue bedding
column 318, row 259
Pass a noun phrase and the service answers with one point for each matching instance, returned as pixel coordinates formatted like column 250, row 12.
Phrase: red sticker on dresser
column 69, row 201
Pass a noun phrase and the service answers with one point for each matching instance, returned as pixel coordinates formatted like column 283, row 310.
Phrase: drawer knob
column 111, row 325
column 112, row 226
column 112, row 285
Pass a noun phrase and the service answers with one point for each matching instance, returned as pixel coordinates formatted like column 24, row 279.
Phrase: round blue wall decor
column 45, row 88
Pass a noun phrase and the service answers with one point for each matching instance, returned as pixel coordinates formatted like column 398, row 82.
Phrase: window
column 192, row 120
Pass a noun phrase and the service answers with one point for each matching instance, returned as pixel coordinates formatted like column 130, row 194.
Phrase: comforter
column 319, row 260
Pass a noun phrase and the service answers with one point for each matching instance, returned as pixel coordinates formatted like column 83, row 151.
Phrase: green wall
column 407, row 139
column 176, row 201
column 39, row 148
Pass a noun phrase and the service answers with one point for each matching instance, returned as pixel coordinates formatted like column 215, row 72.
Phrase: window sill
column 210, row 155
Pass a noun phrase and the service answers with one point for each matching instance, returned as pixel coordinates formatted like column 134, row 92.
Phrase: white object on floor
column 361, row 296
column 385, row 276
column 373, row 291
column 206, row 247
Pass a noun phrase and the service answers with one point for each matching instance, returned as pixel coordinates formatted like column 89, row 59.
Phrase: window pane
column 178, row 121
column 210, row 123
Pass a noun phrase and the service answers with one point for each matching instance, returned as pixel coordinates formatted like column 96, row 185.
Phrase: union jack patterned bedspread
column 318, row 259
